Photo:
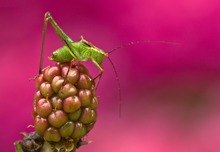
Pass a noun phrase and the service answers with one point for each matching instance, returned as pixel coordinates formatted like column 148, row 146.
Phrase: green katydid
column 82, row 50
column 72, row 51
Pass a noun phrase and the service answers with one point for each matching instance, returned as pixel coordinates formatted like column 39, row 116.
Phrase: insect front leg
column 65, row 79
column 100, row 73
column 99, row 78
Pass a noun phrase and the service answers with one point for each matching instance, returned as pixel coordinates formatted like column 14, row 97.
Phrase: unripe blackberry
column 64, row 104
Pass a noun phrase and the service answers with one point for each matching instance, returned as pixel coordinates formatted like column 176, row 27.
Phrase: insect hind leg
column 98, row 77
column 100, row 73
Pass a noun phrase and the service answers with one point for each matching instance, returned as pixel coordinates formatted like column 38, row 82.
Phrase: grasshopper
column 71, row 51
column 82, row 50
column 75, row 51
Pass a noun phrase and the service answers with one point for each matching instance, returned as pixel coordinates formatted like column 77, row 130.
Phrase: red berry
column 67, row 90
column 43, row 108
column 64, row 105
column 39, row 80
column 40, row 124
column 86, row 97
column 73, row 74
column 79, row 131
column 85, row 82
column 57, row 83
column 52, row 134
column 81, row 68
column 88, row 115
column 57, row 103
column 67, row 129
column 46, row 90
column 71, row 104
column 74, row 116
column 57, row 118
column 51, row 72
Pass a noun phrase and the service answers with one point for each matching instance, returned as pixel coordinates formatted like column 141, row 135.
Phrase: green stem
column 18, row 147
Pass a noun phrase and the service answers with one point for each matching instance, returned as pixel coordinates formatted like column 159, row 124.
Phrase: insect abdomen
column 62, row 55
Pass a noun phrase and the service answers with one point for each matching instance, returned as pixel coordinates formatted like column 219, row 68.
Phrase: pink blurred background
column 170, row 92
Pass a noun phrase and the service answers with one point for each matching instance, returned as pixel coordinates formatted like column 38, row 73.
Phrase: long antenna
column 119, row 86
column 126, row 45
column 141, row 41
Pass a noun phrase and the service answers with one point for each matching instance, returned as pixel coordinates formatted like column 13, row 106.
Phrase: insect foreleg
column 67, row 73
column 100, row 73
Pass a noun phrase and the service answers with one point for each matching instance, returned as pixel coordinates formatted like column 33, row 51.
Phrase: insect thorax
column 98, row 56
column 78, row 51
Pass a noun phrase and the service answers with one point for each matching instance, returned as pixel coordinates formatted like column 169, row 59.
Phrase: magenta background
column 170, row 92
